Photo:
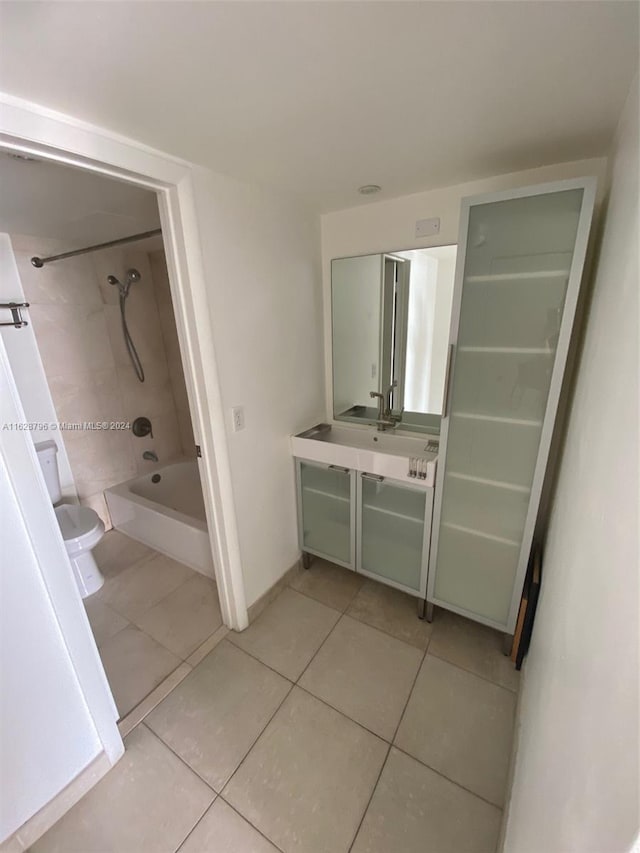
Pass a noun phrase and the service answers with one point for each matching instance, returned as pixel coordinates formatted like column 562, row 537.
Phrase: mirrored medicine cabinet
column 390, row 318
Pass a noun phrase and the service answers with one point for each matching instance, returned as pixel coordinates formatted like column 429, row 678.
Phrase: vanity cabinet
column 375, row 525
column 393, row 532
column 518, row 275
column 326, row 511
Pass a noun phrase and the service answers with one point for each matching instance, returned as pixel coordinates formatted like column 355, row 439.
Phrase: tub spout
column 151, row 455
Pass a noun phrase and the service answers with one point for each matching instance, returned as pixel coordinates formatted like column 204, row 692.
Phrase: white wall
column 389, row 226
column 575, row 786
column 262, row 268
column 28, row 371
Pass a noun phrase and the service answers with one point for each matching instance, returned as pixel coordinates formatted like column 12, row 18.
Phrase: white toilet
column 80, row 526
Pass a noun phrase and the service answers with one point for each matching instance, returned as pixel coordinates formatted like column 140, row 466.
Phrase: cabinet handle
column 339, row 468
column 447, row 379
column 375, row 477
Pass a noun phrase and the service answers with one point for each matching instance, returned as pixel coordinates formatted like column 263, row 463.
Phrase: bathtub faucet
column 151, row 455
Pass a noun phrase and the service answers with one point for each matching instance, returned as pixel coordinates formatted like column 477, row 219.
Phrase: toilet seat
column 80, row 526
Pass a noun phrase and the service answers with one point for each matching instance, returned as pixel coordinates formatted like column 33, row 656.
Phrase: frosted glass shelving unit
column 518, row 275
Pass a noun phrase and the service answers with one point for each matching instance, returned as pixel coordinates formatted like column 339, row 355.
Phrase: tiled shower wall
column 76, row 320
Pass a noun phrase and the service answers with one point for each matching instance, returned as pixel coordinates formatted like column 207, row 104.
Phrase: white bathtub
column 167, row 515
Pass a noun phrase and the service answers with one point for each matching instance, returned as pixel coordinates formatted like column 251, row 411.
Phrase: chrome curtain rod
column 40, row 262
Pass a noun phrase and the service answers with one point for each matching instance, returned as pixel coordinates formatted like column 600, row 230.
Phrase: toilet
column 80, row 526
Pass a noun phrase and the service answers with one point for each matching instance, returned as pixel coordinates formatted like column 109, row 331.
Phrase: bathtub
column 167, row 515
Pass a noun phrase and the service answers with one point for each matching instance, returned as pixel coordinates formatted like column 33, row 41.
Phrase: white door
column 56, row 710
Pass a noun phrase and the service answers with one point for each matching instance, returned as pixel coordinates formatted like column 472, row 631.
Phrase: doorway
column 32, row 132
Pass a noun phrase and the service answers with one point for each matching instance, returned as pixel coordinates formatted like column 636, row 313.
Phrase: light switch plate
column 427, row 227
column 237, row 418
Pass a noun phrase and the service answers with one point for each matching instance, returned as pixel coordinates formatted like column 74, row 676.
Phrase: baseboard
column 258, row 606
column 36, row 826
column 512, row 760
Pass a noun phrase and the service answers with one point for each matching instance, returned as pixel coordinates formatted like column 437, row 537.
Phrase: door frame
column 33, row 130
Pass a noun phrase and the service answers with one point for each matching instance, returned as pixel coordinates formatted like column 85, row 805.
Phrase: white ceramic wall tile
column 76, row 319
column 72, row 338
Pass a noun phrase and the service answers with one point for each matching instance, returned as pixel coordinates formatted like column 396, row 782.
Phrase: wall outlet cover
column 237, row 418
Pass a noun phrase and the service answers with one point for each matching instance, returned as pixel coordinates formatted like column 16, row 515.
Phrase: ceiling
column 80, row 208
column 318, row 98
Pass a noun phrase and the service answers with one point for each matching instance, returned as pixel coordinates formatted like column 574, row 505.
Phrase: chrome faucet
column 386, row 418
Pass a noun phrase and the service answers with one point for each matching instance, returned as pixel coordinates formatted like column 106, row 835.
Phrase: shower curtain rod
column 40, row 262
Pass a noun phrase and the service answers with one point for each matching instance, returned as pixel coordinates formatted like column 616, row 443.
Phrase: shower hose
column 131, row 347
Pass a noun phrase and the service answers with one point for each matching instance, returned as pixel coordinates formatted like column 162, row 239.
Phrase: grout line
column 245, row 818
column 448, row 778
column 197, row 823
column 251, row 655
column 121, row 720
column 186, row 764
column 344, row 714
column 404, row 710
column 260, row 733
column 388, row 633
column 373, row 790
column 472, row 672
column 313, row 598
column 391, row 636
column 315, row 654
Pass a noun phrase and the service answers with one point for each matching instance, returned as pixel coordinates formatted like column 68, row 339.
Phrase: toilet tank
column 47, row 452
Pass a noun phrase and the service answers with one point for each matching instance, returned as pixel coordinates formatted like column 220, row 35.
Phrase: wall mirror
column 390, row 317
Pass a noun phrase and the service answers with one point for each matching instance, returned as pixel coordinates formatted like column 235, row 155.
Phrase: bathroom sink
column 383, row 453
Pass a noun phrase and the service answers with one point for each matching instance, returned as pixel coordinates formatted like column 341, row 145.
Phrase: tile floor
column 337, row 722
column 151, row 614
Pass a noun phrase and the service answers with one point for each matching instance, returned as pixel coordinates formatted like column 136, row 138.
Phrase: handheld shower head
column 112, row 279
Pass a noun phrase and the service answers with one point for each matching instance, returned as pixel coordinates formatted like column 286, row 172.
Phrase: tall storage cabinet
column 518, row 274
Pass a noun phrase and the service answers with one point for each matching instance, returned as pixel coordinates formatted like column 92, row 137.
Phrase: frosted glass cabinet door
column 326, row 498
column 391, row 532
column 515, row 297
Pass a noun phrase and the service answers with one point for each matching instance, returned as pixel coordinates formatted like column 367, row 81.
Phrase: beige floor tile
column 214, row 716
column 222, row 830
column 137, row 715
column 105, row 622
column 460, row 725
column 392, row 611
column 116, row 552
column 365, row 674
column 138, row 588
column 147, row 803
column 185, row 618
column 307, row 781
column 332, row 585
column 135, row 664
column 472, row 646
column 414, row 810
column 288, row 632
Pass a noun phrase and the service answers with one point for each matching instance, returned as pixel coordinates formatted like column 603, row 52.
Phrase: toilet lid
column 76, row 521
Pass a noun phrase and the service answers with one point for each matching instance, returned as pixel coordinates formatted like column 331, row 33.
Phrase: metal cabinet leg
column 306, row 560
column 429, row 611
column 422, row 606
